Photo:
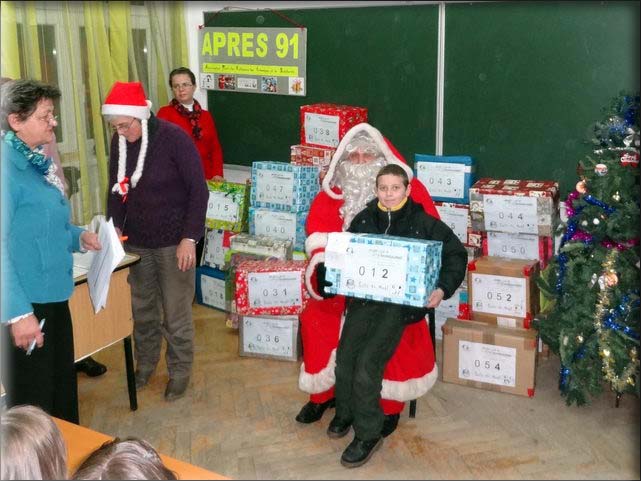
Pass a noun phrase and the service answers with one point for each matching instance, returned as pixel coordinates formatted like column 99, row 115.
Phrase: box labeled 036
column 273, row 337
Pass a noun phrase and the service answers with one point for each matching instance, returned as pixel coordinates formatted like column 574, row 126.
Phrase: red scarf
column 193, row 116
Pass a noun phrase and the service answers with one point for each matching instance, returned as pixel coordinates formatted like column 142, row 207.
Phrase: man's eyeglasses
column 49, row 118
column 182, row 86
column 122, row 127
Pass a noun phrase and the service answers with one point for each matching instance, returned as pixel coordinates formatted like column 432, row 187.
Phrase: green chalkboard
column 382, row 58
column 524, row 82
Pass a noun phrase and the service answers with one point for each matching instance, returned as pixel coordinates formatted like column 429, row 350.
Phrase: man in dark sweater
column 373, row 329
column 158, row 203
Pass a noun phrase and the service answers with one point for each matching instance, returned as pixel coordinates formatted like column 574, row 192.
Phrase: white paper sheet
column 103, row 264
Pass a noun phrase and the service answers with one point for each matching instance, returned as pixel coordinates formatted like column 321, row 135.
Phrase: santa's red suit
column 411, row 371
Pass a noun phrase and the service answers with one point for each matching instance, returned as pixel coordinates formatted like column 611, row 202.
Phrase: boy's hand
column 321, row 282
column 435, row 298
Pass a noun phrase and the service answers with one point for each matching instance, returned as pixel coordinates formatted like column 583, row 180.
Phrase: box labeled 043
column 489, row 357
column 272, row 337
column 503, row 291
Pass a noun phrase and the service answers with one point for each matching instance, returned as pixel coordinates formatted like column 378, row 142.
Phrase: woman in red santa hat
column 346, row 189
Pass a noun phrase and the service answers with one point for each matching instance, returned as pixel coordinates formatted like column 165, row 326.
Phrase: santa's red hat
column 128, row 99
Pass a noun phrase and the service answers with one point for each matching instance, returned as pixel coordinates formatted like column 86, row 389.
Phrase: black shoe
column 390, row 423
column 312, row 412
column 142, row 378
column 338, row 428
column 176, row 388
column 90, row 367
column 358, row 452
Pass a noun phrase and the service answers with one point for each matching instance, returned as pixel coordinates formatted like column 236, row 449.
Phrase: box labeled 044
column 382, row 268
column 489, row 357
column 272, row 337
column 503, row 291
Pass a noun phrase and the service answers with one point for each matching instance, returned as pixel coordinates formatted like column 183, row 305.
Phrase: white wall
column 194, row 16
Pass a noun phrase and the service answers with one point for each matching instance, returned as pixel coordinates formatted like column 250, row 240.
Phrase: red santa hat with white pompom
column 128, row 99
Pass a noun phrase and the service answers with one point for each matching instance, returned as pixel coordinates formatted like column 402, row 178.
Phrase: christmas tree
column 592, row 319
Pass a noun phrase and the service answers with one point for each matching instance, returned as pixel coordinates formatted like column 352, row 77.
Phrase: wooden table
column 93, row 332
column 81, row 442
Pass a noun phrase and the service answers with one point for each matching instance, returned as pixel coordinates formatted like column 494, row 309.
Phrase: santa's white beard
column 357, row 182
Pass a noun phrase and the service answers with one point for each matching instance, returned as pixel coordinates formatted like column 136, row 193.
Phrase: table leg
column 131, row 377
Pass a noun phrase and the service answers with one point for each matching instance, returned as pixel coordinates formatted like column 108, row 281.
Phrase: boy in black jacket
column 373, row 329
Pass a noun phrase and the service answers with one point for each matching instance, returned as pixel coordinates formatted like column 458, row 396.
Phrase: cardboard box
column 324, row 124
column 489, row 357
column 270, row 337
column 210, row 287
column 309, row 155
column 517, row 206
column 279, row 225
column 447, row 178
column 503, row 291
column 227, row 206
column 382, row 268
column 284, row 187
column 273, row 287
column 518, row 246
column 262, row 245
column 216, row 244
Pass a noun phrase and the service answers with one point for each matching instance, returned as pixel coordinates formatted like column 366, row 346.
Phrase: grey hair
column 21, row 97
column 130, row 458
column 32, row 446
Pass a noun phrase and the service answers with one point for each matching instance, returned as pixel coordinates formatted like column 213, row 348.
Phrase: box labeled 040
column 273, row 337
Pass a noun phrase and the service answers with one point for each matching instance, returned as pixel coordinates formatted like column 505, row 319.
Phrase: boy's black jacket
column 413, row 222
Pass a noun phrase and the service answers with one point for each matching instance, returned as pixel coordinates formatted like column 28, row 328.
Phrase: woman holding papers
column 37, row 265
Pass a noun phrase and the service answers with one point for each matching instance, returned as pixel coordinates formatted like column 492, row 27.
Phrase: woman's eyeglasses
column 122, row 127
column 49, row 118
column 182, row 86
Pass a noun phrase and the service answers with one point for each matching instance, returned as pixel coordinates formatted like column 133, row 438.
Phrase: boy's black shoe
column 390, row 423
column 312, row 412
column 358, row 452
column 338, row 428
column 90, row 367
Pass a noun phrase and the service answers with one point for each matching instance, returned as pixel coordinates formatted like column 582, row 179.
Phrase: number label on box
column 508, row 213
column 272, row 337
column 274, row 289
column 487, row 363
column 213, row 291
column 321, row 129
column 280, row 225
column 457, row 219
column 500, row 295
column 214, row 250
column 221, row 207
column 275, row 186
column 514, row 246
column 442, row 179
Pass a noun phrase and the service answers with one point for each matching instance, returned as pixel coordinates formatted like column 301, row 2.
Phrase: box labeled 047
column 275, row 337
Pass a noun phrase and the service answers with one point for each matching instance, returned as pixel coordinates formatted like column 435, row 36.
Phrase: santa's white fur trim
column 315, row 241
column 138, row 111
column 375, row 134
column 410, row 389
column 309, row 272
column 320, row 381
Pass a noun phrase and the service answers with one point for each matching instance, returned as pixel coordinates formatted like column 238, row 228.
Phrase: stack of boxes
column 448, row 180
column 498, row 351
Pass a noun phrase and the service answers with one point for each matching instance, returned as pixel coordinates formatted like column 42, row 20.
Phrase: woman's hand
column 26, row 330
column 435, row 298
column 217, row 178
column 89, row 241
column 186, row 254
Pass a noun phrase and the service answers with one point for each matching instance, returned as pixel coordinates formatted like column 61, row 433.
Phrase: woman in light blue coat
column 37, row 264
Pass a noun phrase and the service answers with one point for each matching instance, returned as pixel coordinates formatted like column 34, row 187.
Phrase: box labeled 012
column 271, row 337
column 382, row 268
column 489, row 357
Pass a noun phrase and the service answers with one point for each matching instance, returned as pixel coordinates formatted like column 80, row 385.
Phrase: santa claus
column 346, row 188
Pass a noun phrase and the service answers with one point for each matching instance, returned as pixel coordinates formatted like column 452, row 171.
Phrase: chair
column 432, row 323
